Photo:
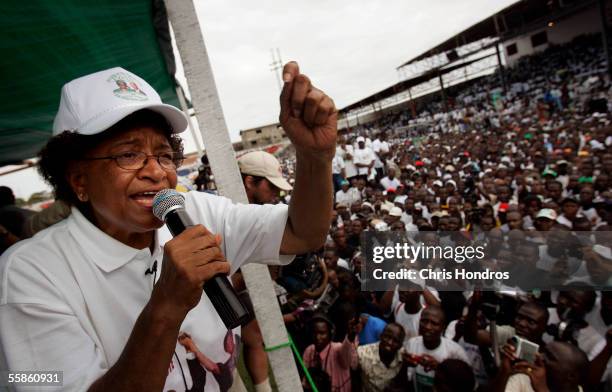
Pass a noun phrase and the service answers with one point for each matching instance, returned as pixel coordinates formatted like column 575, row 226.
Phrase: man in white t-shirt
column 390, row 181
column 346, row 150
column 574, row 305
column 338, row 169
column 380, row 145
column 381, row 149
column 363, row 158
column 407, row 308
column 430, row 348
column 347, row 194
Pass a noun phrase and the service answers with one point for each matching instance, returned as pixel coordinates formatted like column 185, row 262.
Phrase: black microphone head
column 165, row 201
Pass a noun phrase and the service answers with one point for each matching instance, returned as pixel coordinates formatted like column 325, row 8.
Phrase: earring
column 82, row 197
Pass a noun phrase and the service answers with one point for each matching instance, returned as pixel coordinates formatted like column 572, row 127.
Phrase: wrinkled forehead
column 138, row 137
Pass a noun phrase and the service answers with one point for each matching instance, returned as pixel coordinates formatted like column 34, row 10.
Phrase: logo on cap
column 127, row 87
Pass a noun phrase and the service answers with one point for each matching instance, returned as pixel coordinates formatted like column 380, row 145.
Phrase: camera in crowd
column 567, row 329
column 499, row 306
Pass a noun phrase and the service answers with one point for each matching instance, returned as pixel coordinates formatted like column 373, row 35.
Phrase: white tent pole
column 205, row 100
column 183, row 102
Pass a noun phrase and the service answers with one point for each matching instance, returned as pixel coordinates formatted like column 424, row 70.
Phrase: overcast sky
column 349, row 49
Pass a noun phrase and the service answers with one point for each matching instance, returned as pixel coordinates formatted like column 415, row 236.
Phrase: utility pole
column 276, row 66
column 207, row 106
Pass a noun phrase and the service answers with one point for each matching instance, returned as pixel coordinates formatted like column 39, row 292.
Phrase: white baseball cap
column 263, row 164
column 547, row 213
column 360, row 139
column 380, row 226
column 93, row 103
column 396, row 211
column 367, row 204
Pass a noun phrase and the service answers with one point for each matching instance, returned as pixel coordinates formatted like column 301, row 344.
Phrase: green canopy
column 46, row 43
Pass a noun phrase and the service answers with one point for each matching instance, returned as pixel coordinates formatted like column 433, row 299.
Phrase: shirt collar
column 105, row 251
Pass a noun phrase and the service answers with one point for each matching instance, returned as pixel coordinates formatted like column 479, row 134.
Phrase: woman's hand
column 190, row 259
column 308, row 115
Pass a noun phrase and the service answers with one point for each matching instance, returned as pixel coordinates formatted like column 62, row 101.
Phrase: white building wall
column 563, row 31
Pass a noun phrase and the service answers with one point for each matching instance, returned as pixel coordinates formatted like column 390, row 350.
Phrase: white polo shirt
column 364, row 156
column 69, row 296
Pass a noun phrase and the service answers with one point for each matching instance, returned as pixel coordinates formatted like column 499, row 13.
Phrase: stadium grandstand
column 488, row 47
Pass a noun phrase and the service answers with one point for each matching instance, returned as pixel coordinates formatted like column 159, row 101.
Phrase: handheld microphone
column 169, row 206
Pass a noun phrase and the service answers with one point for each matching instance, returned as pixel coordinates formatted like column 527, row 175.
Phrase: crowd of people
column 528, row 165
column 529, row 168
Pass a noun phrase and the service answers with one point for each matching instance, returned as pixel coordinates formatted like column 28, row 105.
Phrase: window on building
column 258, row 131
column 538, row 39
column 511, row 49
column 253, row 142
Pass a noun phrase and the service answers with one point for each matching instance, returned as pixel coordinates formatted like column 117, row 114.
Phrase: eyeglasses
column 136, row 160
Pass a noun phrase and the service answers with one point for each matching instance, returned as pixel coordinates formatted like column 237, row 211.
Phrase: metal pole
column 183, row 102
column 412, row 104
column 499, row 62
column 198, row 71
column 604, row 34
column 501, row 68
column 442, row 92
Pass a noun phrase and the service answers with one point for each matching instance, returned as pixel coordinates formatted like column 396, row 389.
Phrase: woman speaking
column 107, row 296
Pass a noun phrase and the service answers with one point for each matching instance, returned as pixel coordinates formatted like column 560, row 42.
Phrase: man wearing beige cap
column 395, row 213
column 263, row 180
column 262, row 177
